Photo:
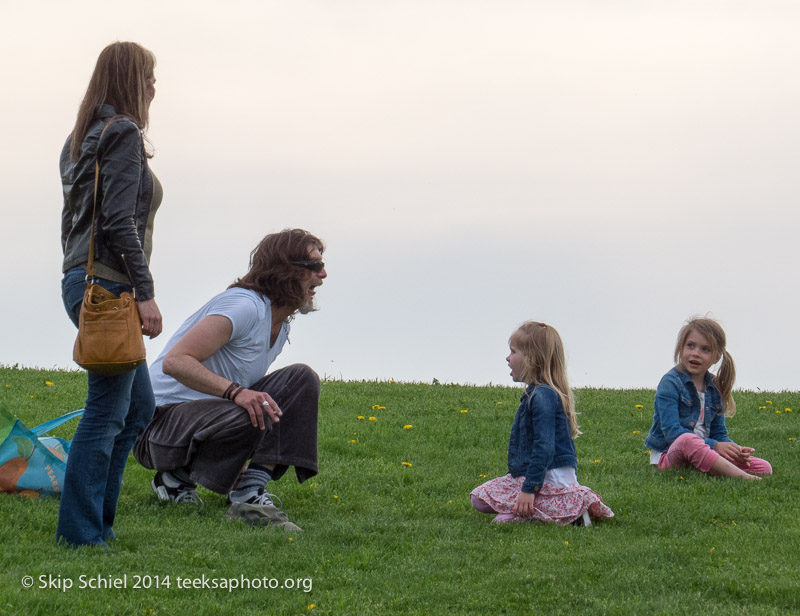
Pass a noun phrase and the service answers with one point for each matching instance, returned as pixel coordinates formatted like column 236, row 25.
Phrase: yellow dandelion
column 681, row 477
column 461, row 411
column 566, row 543
column 290, row 539
column 636, row 431
column 640, row 406
column 373, row 419
column 408, row 426
column 312, row 606
column 791, row 438
column 407, row 464
column 335, row 496
column 777, row 412
column 483, row 476
column 787, row 410
column 596, row 462
column 352, row 440
column 360, row 417
column 378, row 407
column 48, row 383
column 32, row 396
column 711, row 551
column 499, row 403
column 769, row 401
column 450, row 502
column 761, row 408
column 393, row 381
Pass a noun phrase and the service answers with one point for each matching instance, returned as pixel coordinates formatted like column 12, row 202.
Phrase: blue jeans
column 117, row 410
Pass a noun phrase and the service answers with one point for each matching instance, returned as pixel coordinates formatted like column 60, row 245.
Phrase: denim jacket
column 677, row 409
column 123, row 200
column 541, row 438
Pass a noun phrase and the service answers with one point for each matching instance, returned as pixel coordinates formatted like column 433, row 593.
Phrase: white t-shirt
column 245, row 358
column 700, row 427
column 562, row 477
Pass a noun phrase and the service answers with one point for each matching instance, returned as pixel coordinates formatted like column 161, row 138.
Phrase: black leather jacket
column 124, row 195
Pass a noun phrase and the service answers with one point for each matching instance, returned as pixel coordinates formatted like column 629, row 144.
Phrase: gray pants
column 213, row 438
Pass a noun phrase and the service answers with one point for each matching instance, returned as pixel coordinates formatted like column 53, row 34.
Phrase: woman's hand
column 256, row 403
column 150, row 316
column 524, row 505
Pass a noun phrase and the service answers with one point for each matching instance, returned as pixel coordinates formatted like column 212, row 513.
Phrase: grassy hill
column 388, row 528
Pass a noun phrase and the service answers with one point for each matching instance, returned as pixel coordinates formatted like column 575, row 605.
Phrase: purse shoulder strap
column 90, row 262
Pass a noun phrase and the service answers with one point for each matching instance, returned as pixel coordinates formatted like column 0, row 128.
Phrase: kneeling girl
column 541, row 482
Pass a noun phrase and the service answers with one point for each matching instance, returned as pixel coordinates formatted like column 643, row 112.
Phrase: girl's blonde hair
column 726, row 375
column 120, row 80
column 544, row 362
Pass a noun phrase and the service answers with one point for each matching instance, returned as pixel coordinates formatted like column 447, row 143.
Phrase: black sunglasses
column 314, row 266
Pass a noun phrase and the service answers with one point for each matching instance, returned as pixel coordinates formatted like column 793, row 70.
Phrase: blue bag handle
column 53, row 423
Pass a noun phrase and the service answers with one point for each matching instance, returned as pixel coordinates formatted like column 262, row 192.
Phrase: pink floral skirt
column 552, row 504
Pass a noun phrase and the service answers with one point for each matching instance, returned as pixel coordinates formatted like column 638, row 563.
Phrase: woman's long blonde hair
column 726, row 375
column 544, row 362
column 120, row 80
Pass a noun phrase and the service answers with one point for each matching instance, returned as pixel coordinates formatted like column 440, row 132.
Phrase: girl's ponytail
column 726, row 375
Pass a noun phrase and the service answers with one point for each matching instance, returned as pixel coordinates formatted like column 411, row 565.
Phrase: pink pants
column 689, row 449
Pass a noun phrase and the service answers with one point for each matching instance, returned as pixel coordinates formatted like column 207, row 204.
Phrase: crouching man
column 220, row 422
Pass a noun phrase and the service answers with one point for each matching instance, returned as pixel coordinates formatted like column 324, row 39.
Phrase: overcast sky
column 612, row 168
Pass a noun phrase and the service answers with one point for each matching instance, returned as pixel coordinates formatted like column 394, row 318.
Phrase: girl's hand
column 733, row 453
column 524, row 505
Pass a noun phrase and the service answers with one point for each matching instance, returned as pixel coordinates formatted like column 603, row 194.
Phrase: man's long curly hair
column 271, row 272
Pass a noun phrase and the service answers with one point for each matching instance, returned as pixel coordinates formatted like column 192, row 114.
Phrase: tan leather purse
column 110, row 340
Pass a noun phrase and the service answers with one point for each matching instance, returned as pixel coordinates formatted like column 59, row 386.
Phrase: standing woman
column 110, row 129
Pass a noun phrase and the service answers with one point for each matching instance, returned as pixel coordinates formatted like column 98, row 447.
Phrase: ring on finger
column 265, row 403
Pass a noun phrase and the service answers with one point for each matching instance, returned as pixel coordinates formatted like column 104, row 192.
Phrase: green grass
column 383, row 538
